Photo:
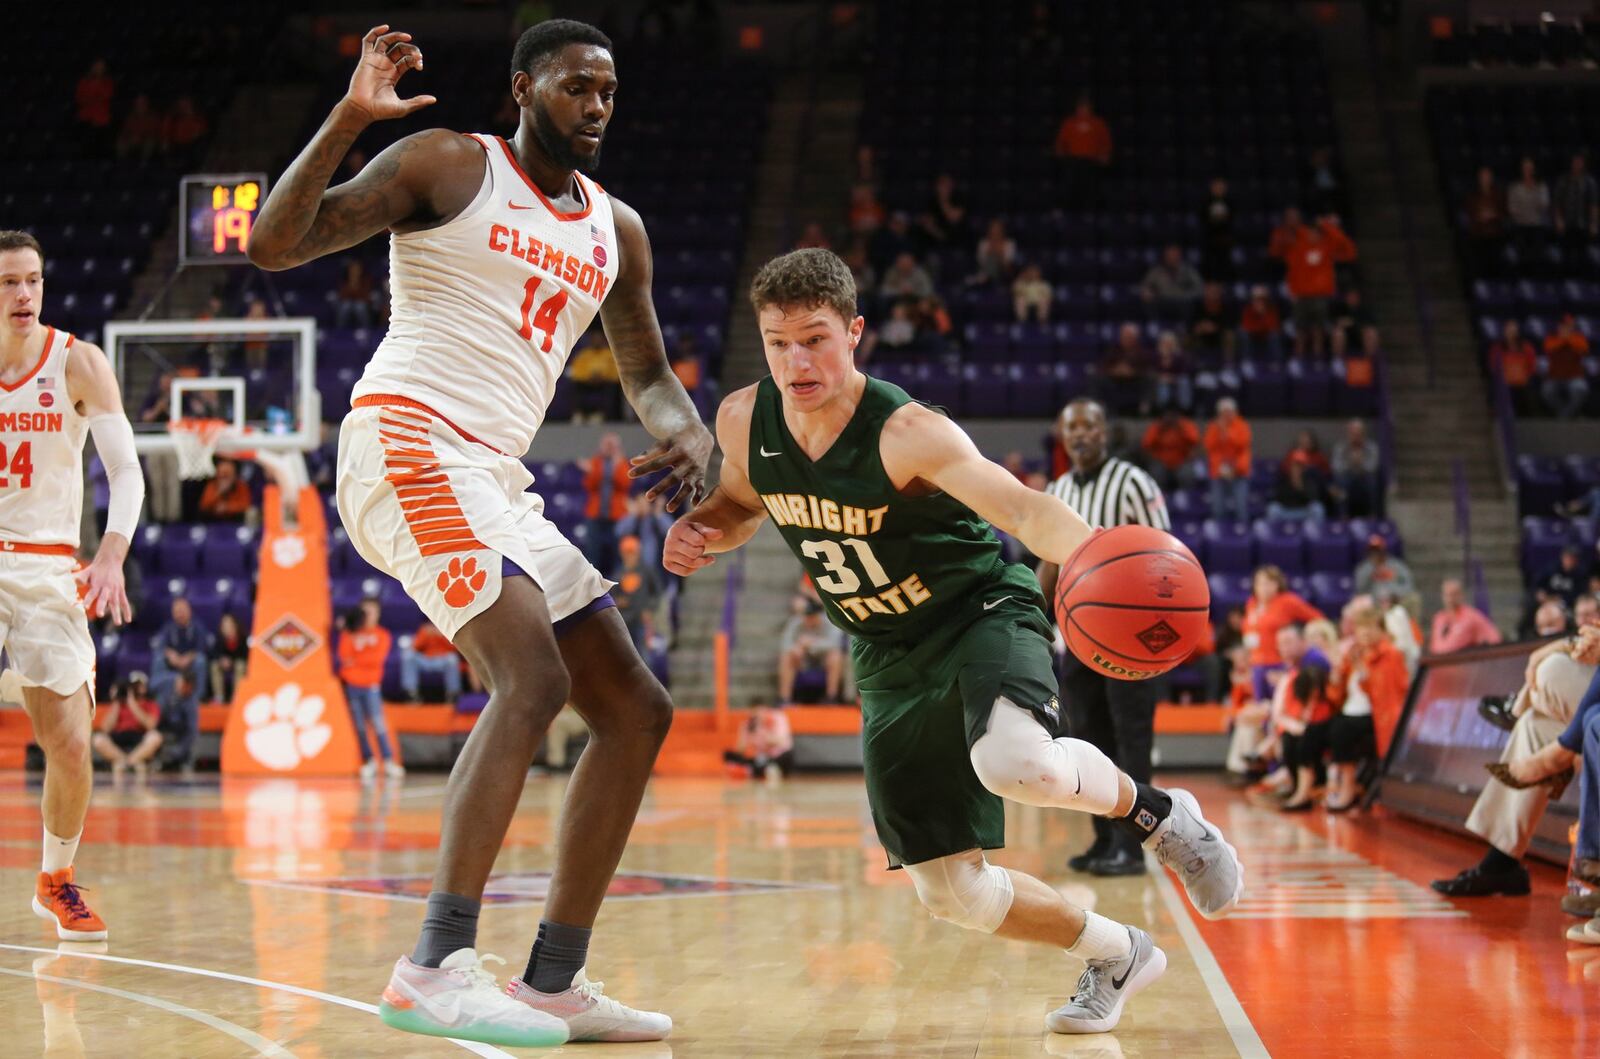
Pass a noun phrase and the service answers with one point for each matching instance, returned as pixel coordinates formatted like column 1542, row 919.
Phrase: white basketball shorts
column 43, row 626
column 448, row 516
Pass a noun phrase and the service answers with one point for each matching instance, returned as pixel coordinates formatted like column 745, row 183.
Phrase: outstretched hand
column 385, row 58
column 684, row 456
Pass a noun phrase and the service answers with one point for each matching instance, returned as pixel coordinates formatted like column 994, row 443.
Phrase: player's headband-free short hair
column 539, row 42
column 12, row 240
column 812, row 278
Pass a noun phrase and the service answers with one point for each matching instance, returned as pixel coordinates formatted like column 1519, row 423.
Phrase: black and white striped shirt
column 1116, row 495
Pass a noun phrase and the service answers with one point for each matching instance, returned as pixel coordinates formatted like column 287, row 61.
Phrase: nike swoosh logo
column 1118, row 983
column 514, row 206
column 993, row 603
column 764, row 451
column 444, row 1014
column 1080, row 791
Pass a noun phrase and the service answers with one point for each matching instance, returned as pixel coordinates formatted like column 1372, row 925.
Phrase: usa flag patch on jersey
column 598, row 234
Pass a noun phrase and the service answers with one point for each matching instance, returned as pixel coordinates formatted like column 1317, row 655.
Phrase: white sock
column 58, row 852
column 1102, row 939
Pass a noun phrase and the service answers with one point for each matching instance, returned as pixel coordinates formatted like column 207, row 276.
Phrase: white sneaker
column 460, row 998
column 1203, row 860
column 393, row 769
column 369, row 769
column 1587, row 933
column 590, row 1015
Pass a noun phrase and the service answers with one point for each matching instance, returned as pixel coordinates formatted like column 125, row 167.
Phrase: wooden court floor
column 260, row 918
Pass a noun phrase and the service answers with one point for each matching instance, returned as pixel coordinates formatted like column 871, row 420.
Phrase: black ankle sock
column 1150, row 806
column 1496, row 863
column 559, row 953
column 451, row 923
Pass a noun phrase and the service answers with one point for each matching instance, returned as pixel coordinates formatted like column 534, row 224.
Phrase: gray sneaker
column 1106, row 985
column 1201, row 857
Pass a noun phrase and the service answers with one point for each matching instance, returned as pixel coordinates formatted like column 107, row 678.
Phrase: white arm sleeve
column 113, row 440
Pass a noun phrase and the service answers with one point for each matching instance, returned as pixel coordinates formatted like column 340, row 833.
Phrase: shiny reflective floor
column 260, row 918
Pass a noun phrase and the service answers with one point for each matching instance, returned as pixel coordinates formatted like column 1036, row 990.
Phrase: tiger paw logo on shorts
column 284, row 729
column 462, row 581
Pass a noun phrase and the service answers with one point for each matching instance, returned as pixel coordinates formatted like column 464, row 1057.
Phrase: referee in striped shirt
column 1118, row 716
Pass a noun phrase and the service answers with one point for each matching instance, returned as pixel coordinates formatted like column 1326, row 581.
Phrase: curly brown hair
column 806, row 279
column 10, row 240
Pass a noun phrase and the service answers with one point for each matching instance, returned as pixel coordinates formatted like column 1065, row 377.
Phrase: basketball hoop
column 195, row 441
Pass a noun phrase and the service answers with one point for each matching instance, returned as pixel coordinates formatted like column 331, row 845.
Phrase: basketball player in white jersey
column 55, row 390
column 501, row 254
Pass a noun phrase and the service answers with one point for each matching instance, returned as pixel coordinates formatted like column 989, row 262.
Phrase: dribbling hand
column 685, row 549
column 385, row 58
column 684, row 456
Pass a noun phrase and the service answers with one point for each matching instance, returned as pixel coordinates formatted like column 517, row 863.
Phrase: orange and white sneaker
column 59, row 900
column 590, row 1015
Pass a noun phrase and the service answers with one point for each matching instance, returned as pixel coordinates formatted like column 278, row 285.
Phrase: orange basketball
column 1132, row 602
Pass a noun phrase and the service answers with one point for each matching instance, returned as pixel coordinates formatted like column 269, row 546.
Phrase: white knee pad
column 1017, row 759
column 964, row 889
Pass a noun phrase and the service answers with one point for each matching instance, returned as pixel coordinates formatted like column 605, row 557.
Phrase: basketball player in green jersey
column 887, row 504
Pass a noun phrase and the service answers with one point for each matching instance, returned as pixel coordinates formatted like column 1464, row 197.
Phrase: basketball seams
column 1117, row 659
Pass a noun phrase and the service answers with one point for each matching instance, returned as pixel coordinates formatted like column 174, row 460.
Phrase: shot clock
column 217, row 213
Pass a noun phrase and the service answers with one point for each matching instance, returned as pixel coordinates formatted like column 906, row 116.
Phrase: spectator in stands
column 1458, row 625
column 996, row 255
column 1566, row 384
column 1216, row 232
column 905, row 279
column 766, row 743
column 1261, row 325
column 1302, row 715
column 607, row 483
column 1227, row 637
column 1247, row 719
column 225, row 497
column 1397, row 612
column 1227, row 442
column 180, row 678
column 1528, row 205
column 1171, row 287
column 127, row 735
column 1307, row 452
column 92, row 99
column 1084, row 145
column 1486, row 216
column 813, row 237
column 1169, row 443
column 1382, row 570
column 1312, row 281
column 1564, row 581
column 685, row 361
column 1211, row 331
column 899, row 331
column 1555, row 680
column 1285, row 234
column 946, row 220
column 353, row 300
column 183, row 125
column 1120, row 384
column 648, row 521
column 892, row 240
column 1575, row 208
column 866, row 212
column 230, row 651
column 1271, row 606
column 1369, row 688
column 638, row 593
column 1031, row 294
column 1326, row 188
column 140, row 135
column 596, row 382
column 810, row 645
column 1354, row 328
column 860, row 263
column 1357, row 480
column 1514, row 362
column 1295, row 497
column 1171, row 384
column 363, row 650
column 429, row 652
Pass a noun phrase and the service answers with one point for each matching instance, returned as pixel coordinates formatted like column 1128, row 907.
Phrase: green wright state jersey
column 889, row 568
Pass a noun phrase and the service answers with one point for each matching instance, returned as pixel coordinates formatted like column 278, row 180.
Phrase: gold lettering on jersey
column 897, row 600
column 816, row 512
column 37, row 422
column 568, row 268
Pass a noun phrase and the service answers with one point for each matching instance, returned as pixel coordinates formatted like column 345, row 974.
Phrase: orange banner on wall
column 289, row 716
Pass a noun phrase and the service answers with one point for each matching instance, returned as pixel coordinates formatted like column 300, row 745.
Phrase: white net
column 195, row 442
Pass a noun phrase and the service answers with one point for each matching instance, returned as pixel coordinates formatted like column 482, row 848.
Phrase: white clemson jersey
column 41, row 453
column 486, row 308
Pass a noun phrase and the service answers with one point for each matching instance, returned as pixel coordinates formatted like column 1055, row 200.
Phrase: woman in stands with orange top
column 363, row 649
column 1302, row 715
column 1271, row 607
column 1369, row 689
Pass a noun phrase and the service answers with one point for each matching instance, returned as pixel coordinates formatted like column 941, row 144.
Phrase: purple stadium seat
column 1034, row 388
column 180, row 549
column 229, row 551
column 1543, row 537
column 985, row 387
column 1227, row 591
column 1229, row 548
column 1266, row 390
column 1281, row 544
column 1330, row 592
column 1329, row 548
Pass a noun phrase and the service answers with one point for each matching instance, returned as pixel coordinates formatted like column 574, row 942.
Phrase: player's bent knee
column 964, row 889
column 1020, row 774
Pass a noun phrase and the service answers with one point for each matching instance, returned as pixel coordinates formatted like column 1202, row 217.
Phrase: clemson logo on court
column 461, row 581
column 283, row 729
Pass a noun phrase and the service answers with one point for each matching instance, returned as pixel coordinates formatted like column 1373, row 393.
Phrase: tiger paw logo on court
column 284, row 729
column 461, row 582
